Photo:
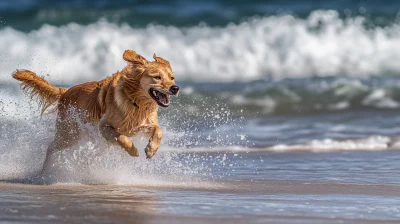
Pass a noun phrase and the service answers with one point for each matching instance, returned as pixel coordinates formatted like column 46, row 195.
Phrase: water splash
column 24, row 143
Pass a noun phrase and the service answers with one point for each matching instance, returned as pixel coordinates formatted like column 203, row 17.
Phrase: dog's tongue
column 164, row 99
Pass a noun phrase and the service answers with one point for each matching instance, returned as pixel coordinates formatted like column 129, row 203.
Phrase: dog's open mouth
column 161, row 98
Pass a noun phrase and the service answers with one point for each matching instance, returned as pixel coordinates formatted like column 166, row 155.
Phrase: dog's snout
column 174, row 89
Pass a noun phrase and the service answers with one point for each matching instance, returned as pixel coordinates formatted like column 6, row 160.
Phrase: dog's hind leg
column 67, row 135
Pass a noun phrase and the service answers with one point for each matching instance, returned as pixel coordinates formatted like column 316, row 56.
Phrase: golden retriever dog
column 122, row 105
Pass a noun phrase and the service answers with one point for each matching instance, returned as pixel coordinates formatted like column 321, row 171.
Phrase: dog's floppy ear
column 134, row 58
column 161, row 60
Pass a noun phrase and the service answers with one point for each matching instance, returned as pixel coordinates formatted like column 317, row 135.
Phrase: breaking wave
column 272, row 47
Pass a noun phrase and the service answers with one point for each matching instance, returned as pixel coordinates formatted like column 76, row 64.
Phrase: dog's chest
column 130, row 124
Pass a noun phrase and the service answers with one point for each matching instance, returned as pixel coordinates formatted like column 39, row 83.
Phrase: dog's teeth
column 154, row 93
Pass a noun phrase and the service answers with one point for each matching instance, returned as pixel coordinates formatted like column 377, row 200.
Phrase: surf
column 272, row 47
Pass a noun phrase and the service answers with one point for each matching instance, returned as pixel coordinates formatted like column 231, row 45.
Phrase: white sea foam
column 379, row 99
column 276, row 46
column 372, row 143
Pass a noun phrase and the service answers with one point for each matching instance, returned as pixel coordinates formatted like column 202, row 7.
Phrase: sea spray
column 92, row 160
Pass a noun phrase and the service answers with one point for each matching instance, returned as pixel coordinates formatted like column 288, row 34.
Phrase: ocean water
column 288, row 112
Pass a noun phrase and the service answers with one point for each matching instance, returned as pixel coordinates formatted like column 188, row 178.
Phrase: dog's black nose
column 174, row 89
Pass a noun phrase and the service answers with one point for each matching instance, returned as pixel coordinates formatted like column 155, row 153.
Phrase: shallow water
column 265, row 187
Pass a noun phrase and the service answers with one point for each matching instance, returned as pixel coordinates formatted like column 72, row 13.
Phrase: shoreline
column 236, row 186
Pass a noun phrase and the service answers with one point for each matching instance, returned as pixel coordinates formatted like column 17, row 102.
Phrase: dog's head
column 155, row 78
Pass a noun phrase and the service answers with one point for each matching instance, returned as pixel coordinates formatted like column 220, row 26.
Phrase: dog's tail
column 38, row 88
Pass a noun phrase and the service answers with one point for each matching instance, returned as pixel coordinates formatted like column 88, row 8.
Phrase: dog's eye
column 172, row 78
column 157, row 77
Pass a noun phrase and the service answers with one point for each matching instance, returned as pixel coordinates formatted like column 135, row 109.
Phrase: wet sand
column 171, row 203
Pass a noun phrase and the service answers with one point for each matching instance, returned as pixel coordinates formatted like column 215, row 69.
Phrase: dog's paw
column 133, row 151
column 149, row 155
column 150, row 152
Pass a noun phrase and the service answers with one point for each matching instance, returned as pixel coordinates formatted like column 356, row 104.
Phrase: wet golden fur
column 119, row 104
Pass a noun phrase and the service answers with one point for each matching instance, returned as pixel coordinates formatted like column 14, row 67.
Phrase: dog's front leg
column 154, row 142
column 111, row 135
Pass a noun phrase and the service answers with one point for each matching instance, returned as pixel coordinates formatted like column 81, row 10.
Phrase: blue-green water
column 31, row 14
